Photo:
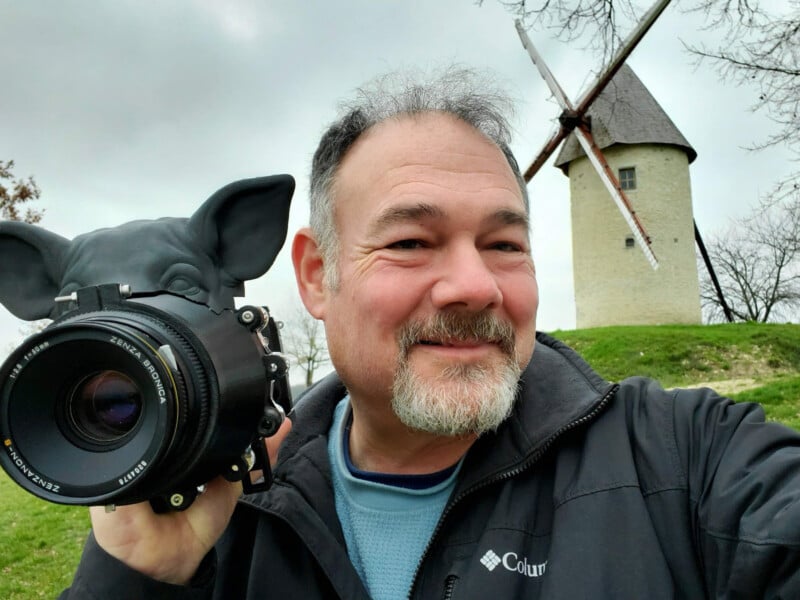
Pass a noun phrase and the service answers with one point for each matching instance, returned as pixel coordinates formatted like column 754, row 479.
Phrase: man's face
column 437, row 290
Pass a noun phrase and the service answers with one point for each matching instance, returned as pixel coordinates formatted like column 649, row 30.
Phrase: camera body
column 122, row 400
column 144, row 391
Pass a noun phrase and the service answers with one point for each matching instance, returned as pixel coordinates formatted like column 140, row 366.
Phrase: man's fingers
column 274, row 442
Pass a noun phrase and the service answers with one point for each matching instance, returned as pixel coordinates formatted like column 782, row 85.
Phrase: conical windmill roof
column 626, row 113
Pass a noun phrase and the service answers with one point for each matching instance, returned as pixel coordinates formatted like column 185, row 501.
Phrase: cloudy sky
column 128, row 110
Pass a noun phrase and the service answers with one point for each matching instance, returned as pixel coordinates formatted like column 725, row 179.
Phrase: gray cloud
column 125, row 110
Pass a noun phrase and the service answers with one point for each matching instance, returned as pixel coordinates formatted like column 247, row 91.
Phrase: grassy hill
column 40, row 543
column 752, row 362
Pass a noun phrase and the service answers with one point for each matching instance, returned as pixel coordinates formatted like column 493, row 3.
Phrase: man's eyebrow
column 506, row 216
column 417, row 212
column 405, row 214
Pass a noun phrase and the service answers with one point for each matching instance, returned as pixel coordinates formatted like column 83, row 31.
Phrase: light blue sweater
column 386, row 527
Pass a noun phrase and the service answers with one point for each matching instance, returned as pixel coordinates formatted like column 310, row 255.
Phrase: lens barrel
column 138, row 400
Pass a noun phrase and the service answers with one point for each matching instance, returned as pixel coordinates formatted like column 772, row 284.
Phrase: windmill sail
column 573, row 121
column 594, row 90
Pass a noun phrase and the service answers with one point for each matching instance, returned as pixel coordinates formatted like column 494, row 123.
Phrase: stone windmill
column 621, row 146
column 614, row 283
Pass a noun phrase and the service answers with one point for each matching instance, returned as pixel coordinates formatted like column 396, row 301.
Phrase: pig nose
column 466, row 281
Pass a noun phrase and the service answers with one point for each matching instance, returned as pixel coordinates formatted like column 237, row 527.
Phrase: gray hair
column 460, row 92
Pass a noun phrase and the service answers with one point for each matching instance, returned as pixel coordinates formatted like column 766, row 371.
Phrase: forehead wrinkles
column 415, row 189
column 454, row 166
column 432, row 183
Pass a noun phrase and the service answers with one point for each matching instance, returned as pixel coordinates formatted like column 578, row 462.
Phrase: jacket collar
column 558, row 390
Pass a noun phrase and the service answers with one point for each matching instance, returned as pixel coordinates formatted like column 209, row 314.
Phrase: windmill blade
column 544, row 71
column 545, row 153
column 560, row 97
column 612, row 185
column 624, row 51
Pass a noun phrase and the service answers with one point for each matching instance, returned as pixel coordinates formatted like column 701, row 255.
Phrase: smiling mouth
column 457, row 343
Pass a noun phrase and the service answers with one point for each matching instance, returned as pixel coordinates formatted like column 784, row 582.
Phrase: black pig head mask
column 233, row 237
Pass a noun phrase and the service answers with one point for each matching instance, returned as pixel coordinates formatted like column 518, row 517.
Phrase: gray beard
column 462, row 399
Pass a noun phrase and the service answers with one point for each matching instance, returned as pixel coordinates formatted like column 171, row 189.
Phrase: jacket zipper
column 449, row 586
column 450, row 582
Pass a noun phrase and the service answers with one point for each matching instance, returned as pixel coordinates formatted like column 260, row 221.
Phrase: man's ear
column 309, row 271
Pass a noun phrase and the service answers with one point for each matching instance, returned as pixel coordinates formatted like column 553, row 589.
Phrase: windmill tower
column 614, row 284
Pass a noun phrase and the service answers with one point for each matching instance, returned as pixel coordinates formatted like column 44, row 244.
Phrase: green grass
column 765, row 358
column 40, row 543
column 679, row 355
column 780, row 399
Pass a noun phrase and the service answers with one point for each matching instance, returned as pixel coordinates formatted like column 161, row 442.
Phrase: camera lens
column 104, row 407
column 134, row 402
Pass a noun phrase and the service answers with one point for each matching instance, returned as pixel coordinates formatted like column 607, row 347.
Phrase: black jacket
column 589, row 490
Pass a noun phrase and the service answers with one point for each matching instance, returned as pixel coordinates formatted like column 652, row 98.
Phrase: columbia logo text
column 511, row 561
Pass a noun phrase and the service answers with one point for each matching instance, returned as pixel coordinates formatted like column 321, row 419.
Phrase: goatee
column 463, row 399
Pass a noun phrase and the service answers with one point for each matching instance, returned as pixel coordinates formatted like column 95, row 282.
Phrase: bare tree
column 600, row 23
column 758, row 265
column 16, row 192
column 304, row 341
column 762, row 48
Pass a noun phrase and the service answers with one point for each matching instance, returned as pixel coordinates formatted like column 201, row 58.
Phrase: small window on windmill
column 629, row 243
column 627, row 178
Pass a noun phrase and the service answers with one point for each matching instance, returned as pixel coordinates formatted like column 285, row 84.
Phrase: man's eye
column 507, row 247
column 406, row 245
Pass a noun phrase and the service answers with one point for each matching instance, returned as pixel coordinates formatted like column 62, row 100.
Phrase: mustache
column 458, row 327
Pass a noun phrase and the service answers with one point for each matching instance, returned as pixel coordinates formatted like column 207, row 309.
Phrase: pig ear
column 244, row 224
column 30, row 269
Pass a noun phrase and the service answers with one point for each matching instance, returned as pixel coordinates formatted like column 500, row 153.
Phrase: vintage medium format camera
column 146, row 394
column 122, row 400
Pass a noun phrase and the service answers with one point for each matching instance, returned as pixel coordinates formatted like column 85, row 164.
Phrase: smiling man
column 446, row 457
column 432, row 244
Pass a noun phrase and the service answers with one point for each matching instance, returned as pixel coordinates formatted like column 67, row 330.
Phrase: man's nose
column 466, row 281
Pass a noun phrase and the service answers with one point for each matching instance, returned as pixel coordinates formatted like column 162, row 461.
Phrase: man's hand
column 170, row 546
